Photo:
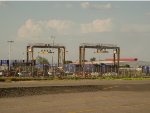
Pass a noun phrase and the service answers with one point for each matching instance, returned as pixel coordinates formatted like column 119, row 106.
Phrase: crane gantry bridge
column 101, row 48
column 60, row 48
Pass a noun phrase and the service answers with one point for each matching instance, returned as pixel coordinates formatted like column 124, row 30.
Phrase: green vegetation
column 42, row 60
column 9, row 79
column 140, row 78
column 2, row 79
column 68, row 62
column 93, row 59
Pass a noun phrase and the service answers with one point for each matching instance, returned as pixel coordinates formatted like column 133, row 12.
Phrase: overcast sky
column 126, row 24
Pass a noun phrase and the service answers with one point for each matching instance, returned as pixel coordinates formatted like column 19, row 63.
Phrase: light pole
column 10, row 42
column 53, row 39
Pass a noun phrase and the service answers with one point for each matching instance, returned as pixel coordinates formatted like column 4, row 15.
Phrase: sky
column 125, row 24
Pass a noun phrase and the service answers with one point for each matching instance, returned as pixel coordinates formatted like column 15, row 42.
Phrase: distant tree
column 85, row 60
column 68, row 62
column 127, row 65
column 93, row 59
column 42, row 60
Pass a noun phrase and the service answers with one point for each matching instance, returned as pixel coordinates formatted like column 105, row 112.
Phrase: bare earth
column 117, row 97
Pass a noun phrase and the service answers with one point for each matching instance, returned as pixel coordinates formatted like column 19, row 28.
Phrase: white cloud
column 30, row 29
column 97, row 26
column 87, row 5
column 59, row 25
column 33, row 30
column 135, row 28
column 36, row 29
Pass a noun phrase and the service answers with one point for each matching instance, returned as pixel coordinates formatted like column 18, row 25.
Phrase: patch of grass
column 108, row 78
column 2, row 80
column 73, row 78
column 139, row 78
column 9, row 79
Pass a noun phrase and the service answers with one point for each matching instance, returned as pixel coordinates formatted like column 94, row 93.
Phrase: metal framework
column 99, row 46
column 60, row 48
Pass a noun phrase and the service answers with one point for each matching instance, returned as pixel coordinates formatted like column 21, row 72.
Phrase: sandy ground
column 83, row 96
column 82, row 102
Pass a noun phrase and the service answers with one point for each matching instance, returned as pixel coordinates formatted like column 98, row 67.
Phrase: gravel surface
column 17, row 89
column 69, row 83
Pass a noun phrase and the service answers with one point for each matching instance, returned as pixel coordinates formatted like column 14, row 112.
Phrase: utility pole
column 10, row 42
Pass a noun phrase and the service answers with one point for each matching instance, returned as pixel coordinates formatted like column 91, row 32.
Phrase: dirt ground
column 84, row 102
column 84, row 97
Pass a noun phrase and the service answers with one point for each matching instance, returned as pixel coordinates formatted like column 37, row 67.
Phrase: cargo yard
column 82, row 68
column 74, row 56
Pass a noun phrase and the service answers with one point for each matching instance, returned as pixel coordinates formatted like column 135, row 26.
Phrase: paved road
column 114, row 97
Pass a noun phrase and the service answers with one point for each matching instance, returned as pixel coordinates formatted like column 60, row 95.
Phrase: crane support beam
column 99, row 46
column 31, row 47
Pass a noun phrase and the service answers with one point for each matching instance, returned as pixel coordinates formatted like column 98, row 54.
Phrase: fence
column 87, row 70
